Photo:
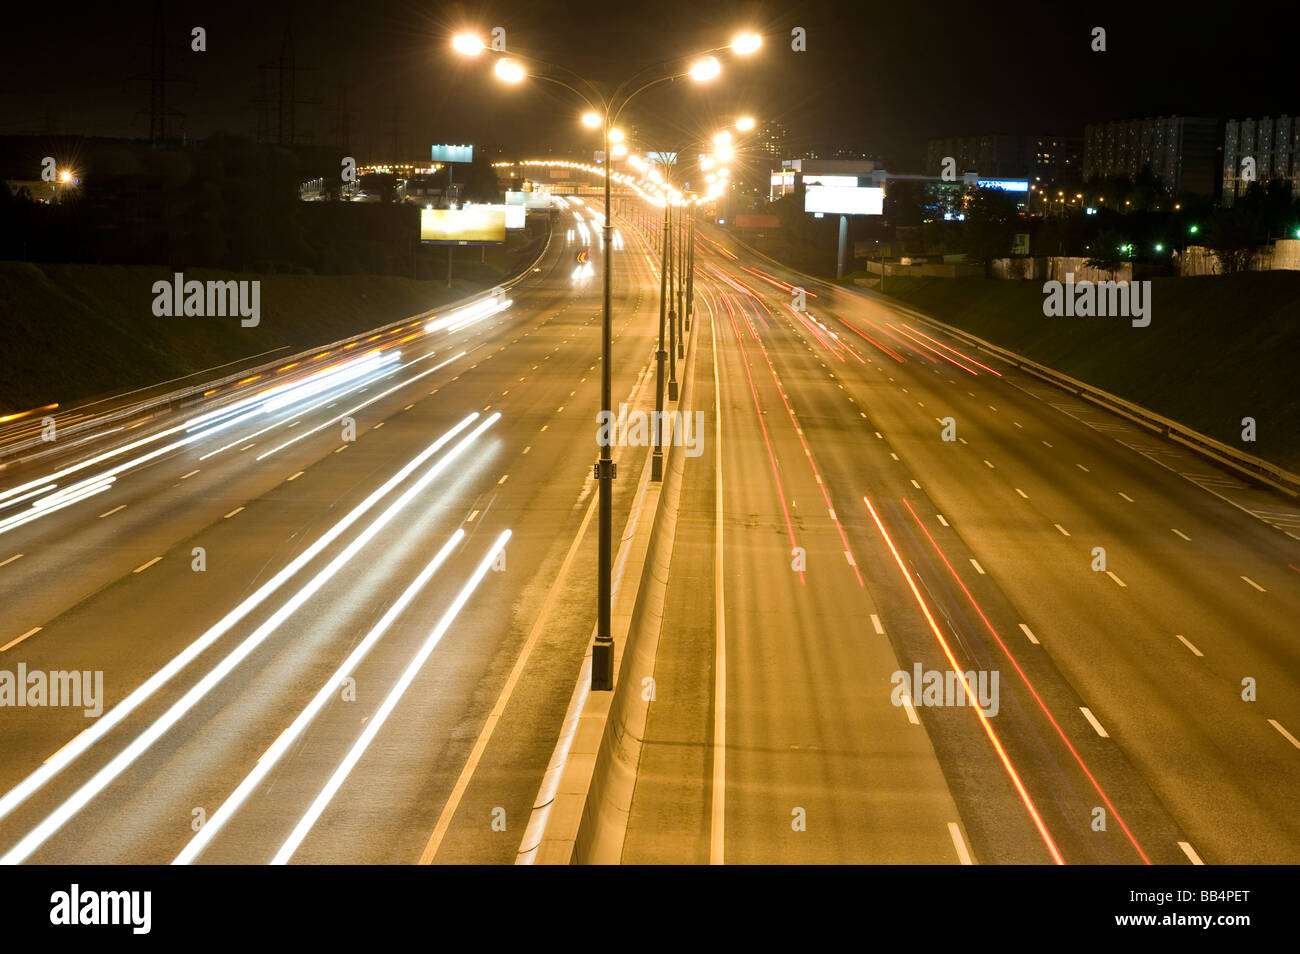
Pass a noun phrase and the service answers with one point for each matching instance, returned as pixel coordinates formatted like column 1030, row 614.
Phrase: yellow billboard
column 476, row 225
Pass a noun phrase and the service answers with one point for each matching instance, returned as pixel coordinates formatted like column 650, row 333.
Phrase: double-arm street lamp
column 605, row 112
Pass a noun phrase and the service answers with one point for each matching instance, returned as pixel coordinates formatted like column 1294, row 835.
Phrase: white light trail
column 105, row 776
column 386, row 708
column 61, row 759
column 299, row 725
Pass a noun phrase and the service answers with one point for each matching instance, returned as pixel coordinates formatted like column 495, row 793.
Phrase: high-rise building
column 771, row 139
column 1010, row 157
column 1181, row 151
column 1056, row 159
column 1273, row 144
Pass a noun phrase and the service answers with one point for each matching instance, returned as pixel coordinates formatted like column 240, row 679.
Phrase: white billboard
column 863, row 200
column 515, row 214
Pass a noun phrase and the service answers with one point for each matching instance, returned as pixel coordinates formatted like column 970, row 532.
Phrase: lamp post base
column 602, row 664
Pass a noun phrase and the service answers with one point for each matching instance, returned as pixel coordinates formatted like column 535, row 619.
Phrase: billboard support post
column 844, row 243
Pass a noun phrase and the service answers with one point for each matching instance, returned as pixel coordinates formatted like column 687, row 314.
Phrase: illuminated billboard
column 453, row 153
column 515, row 214
column 860, row 200
column 832, row 182
column 529, row 200
column 1006, row 185
column 476, row 225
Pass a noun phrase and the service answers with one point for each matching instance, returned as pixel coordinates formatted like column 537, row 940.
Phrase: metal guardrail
column 1248, row 464
column 174, row 400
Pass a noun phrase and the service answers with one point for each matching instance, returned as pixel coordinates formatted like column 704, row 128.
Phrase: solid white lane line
column 1087, row 714
column 718, row 793
column 875, row 622
column 1126, row 496
column 941, row 520
column 963, row 853
column 145, row 566
column 1028, row 632
column 14, row 642
column 1289, row 737
column 1061, row 528
column 1181, row 534
column 190, row 474
column 297, row 475
column 1254, row 584
column 1184, row 641
column 1022, row 493
column 978, row 569
column 911, row 712
column 101, row 517
column 17, row 555
column 1111, row 574
column 1190, row 852
column 232, row 513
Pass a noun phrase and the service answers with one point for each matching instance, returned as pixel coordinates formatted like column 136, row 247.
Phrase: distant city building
column 1181, row 151
column 771, row 139
column 1274, row 144
column 1009, row 157
column 1056, row 160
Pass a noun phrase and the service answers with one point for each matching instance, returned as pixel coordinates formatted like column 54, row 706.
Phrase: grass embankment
column 72, row 332
column 1218, row 349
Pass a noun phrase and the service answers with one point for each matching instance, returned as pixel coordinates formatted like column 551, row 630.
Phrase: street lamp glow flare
column 746, row 43
column 509, row 70
column 705, row 69
column 467, row 44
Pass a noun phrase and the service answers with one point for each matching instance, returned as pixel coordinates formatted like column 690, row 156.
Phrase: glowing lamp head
column 722, row 137
column 745, row 123
column 746, row 43
column 591, row 120
column 65, row 176
column 508, row 70
column 616, row 135
column 705, row 69
column 467, row 44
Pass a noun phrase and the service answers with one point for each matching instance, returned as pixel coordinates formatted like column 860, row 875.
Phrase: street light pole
column 657, row 460
column 602, row 650
column 681, row 280
column 690, row 269
column 672, row 310
column 511, row 69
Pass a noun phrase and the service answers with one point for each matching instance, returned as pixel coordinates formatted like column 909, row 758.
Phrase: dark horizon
column 883, row 83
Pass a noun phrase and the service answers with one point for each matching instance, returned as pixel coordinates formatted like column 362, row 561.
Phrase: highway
column 302, row 635
column 339, row 608
column 1125, row 731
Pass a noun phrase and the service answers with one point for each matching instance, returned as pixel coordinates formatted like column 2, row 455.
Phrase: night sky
column 878, row 77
